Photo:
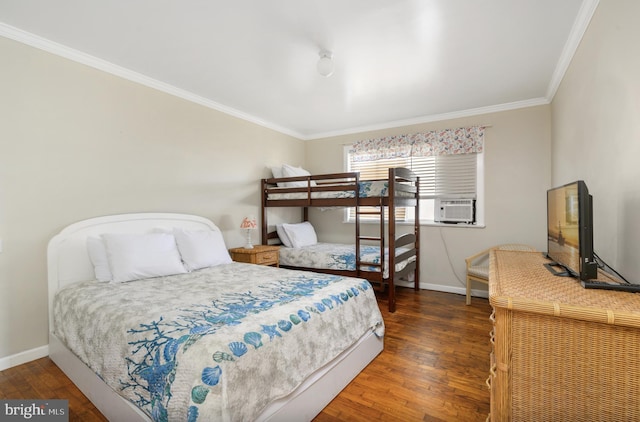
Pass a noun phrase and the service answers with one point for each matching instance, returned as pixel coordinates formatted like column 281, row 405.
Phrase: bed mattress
column 366, row 189
column 215, row 344
column 337, row 256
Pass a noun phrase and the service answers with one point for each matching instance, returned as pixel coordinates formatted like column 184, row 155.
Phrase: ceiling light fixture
column 325, row 64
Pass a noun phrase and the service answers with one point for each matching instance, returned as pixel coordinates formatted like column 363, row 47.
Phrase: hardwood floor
column 42, row 380
column 433, row 368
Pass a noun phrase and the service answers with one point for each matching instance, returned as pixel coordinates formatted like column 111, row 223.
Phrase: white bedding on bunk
column 337, row 256
column 367, row 189
column 215, row 344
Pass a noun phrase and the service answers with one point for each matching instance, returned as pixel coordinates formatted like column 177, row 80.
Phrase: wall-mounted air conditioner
column 455, row 211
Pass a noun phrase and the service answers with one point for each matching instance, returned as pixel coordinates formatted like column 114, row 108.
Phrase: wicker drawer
column 259, row 254
column 267, row 258
column 491, row 382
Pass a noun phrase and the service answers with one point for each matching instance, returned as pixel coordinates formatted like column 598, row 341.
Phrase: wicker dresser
column 560, row 352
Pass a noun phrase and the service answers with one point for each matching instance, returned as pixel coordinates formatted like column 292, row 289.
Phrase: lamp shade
column 248, row 223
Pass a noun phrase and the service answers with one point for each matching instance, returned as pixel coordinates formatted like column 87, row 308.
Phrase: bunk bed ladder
column 379, row 212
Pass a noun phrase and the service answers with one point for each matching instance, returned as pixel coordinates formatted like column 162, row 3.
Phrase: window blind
column 440, row 176
column 379, row 169
column 446, row 176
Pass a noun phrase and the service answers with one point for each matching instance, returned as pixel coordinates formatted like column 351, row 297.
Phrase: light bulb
column 325, row 64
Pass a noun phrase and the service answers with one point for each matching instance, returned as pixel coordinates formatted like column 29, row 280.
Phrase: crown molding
column 61, row 50
column 580, row 25
column 433, row 118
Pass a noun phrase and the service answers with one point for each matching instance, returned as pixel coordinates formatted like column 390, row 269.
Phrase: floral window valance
column 465, row 140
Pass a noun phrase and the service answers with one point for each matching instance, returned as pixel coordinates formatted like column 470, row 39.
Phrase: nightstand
column 260, row 254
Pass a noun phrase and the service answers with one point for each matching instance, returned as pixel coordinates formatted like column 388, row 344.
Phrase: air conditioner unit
column 455, row 211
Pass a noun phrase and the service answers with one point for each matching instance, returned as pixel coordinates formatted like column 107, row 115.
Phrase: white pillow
column 201, row 248
column 301, row 234
column 290, row 171
column 138, row 256
column 277, row 171
column 282, row 234
column 98, row 256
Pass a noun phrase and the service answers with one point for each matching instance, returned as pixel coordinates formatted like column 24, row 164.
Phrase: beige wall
column 77, row 143
column 596, row 130
column 517, row 175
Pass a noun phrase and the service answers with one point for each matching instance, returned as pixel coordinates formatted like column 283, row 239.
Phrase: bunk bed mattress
column 366, row 189
column 337, row 256
column 214, row 344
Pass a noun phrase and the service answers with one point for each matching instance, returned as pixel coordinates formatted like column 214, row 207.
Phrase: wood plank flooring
column 433, row 368
column 42, row 380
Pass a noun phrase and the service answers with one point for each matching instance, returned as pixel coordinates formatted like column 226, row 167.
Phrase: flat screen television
column 570, row 231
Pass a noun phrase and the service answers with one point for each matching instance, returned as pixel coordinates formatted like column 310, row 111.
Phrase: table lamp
column 248, row 223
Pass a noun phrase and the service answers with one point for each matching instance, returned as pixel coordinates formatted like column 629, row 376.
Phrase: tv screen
column 570, row 230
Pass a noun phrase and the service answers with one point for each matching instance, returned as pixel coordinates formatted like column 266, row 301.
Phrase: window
column 444, row 176
column 370, row 170
column 458, row 176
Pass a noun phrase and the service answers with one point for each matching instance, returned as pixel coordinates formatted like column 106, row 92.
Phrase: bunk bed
column 371, row 198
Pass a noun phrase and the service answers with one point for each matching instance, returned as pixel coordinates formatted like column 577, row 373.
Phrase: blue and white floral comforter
column 366, row 189
column 337, row 256
column 216, row 344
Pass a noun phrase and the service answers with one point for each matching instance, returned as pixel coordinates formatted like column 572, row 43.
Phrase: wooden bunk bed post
column 382, row 236
column 392, row 239
column 263, row 197
column 357, row 227
column 416, row 230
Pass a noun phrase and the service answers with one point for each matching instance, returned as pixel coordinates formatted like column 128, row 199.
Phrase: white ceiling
column 396, row 61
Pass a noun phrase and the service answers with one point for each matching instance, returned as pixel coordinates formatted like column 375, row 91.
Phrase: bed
column 199, row 345
column 340, row 257
column 371, row 198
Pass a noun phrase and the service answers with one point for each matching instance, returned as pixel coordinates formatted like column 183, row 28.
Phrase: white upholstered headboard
column 67, row 257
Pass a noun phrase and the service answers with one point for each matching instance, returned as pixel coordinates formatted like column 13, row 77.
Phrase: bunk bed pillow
column 291, row 171
column 201, row 248
column 277, row 173
column 301, row 234
column 282, row 234
column 139, row 256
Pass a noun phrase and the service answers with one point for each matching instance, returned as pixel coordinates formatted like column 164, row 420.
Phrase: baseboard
column 448, row 289
column 23, row 357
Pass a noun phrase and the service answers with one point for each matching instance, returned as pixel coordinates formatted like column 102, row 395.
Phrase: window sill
column 454, row 225
column 427, row 223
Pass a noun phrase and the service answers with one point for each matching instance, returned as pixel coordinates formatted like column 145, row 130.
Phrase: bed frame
column 403, row 191
column 68, row 262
